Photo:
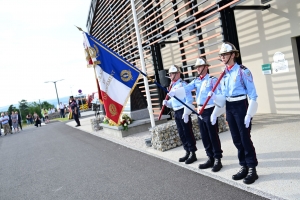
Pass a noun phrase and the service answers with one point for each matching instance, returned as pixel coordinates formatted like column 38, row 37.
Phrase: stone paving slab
column 277, row 142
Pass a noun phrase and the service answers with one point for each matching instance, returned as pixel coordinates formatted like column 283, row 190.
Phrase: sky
column 38, row 43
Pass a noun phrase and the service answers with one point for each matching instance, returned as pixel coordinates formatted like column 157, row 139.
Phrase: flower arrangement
column 125, row 121
column 106, row 120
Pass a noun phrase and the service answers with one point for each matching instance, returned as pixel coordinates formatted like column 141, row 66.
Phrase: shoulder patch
column 243, row 67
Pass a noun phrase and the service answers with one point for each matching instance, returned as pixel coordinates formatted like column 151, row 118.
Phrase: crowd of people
column 11, row 123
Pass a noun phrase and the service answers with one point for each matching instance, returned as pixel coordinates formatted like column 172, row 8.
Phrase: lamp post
column 55, row 88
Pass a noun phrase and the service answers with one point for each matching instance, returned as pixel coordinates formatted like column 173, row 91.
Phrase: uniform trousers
column 209, row 134
column 76, row 118
column 235, row 115
column 185, row 132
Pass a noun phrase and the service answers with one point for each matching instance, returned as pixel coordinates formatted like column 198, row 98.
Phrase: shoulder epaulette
column 243, row 67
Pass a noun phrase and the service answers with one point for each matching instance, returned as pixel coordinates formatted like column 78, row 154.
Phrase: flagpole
column 142, row 63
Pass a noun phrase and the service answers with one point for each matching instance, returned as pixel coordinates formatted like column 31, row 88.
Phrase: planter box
column 137, row 126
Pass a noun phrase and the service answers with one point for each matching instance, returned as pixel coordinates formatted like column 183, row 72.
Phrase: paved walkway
column 277, row 142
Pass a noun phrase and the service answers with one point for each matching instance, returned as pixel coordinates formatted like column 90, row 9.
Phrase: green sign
column 266, row 68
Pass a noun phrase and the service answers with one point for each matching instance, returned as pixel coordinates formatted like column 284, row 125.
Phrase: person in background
column 37, row 120
column 74, row 108
column 62, row 110
column 42, row 113
column 4, row 120
column 31, row 119
column 28, row 118
column 78, row 106
column 14, row 119
column 9, row 121
column 46, row 116
column 19, row 120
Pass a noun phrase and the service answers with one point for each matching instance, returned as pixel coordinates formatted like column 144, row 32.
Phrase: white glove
column 247, row 120
column 185, row 118
column 213, row 119
column 212, row 94
column 171, row 93
column 165, row 102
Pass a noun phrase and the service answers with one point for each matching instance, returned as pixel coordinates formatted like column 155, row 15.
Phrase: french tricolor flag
column 116, row 76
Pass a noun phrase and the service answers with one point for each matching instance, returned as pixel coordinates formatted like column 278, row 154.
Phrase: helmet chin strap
column 202, row 70
column 228, row 59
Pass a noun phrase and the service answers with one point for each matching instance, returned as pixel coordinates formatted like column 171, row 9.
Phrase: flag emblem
column 126, row 75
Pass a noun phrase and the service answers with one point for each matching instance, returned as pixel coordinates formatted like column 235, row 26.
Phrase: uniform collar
column 176, row 81
column 231, row 68
column 203, row 77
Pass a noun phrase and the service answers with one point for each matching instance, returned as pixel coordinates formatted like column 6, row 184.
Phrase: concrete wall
column 261, row 34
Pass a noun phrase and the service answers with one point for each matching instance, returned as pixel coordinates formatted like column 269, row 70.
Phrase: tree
column 11, row 108
column 23, row 108
column 23, row 105
column 46, row 105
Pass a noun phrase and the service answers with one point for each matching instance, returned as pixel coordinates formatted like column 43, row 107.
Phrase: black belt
column 237, row 96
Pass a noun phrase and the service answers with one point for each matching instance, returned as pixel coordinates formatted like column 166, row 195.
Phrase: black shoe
column 209, row 163
column 217, row 166
column 251, row 176
column 184, row 158
column 241, row 174
column 192, row 158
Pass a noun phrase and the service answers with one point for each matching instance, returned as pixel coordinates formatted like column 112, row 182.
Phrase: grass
column 61, row 119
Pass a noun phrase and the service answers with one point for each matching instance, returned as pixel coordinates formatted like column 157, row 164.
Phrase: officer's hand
column 247, row 120
column 213, row 119
column 212, row 94
column 185, row 118
column 165, row 102
column 171, row 93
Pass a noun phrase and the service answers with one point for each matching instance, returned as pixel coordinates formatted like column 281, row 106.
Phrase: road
column 58, row 162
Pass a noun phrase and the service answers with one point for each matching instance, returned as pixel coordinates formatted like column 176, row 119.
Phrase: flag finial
column 79, row 28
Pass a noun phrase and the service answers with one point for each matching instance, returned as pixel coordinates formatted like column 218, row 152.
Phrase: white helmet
column 201, row 61
column 227, row 48
column 173, row 69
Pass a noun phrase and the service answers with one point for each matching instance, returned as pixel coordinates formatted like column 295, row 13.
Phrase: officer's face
column 227, row 57
column 174, row 76
column 202, row 70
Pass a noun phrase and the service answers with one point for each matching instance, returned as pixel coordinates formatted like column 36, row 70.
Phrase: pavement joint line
column 236, row 184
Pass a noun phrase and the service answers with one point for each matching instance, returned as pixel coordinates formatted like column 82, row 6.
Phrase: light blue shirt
column 4, row 119
column 173, row 103
column 238, row 81
column 203, row 87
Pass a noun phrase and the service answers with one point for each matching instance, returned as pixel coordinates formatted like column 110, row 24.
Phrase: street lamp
column 55, row 88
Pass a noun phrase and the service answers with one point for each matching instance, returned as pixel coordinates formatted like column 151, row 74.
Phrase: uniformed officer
column 182, row 116
column 73, row 105
column 203, row 84
column 236, row 85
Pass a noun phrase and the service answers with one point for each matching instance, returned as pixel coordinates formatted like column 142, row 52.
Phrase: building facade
column 266, row 32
